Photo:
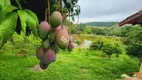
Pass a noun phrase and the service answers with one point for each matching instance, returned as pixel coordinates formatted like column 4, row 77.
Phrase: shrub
column 88, row 30
column 98, row 31
column 73, row 30
column 77, row 42
column 124, row 30
column 96, row 45
column 81, row 26
column 135, row 50
column 110, row 49
column 106, row 46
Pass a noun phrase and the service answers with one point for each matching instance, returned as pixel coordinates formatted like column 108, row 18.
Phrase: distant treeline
column 105, row 24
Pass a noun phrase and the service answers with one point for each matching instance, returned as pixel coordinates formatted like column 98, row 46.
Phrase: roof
column 133, row 19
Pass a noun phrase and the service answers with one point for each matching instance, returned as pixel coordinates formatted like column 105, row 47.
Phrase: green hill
column 105, row 24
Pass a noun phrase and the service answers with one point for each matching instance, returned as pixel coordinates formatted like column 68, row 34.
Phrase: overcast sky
column 108, row 10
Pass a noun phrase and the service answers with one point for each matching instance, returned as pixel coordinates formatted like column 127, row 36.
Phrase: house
column 133, row 19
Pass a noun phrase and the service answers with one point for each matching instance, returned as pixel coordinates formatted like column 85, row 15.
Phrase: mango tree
column 44, row 18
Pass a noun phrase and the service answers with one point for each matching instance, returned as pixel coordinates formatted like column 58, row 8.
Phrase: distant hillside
column 105, row 24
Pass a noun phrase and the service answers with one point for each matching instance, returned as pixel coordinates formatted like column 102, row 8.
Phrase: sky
column 107, row 10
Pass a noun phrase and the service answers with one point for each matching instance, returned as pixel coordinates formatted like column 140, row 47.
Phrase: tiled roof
column 133, row 19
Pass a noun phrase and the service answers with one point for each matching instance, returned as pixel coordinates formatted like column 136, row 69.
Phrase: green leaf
column 7, row 2
column 7, row 27
column 33, row 15
column 17, row 1
column 32, row 24
column 5, row 10
column 4, row 2
column 23, row 18
column 27, row 20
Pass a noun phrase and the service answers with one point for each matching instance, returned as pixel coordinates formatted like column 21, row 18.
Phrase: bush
column 135, row 46
column 77, row 42
column 21, row 41
column 135, row 50
column 106, row 46
column 124, row 30
column 98, row 31
column 73, row 30
column 135, row 33
column 88, row 30
column 110, row 49
column 81, row 27
column 96, row 45
column 126, row 41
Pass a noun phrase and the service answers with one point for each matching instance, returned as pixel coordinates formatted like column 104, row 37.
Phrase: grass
column 80, row 64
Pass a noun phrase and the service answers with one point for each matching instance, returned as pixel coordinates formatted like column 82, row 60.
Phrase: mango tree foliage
column 5, row 10
column 7, row 27
column 28, row 20
column 9, row 18
column 4, row 2
column 27, row 15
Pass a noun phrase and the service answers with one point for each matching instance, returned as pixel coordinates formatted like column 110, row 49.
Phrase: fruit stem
column 62, row 21
column 59, row 8
column 47, row 12
column 59, row 2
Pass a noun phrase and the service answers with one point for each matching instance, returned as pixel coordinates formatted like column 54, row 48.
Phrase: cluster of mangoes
column 54, row 37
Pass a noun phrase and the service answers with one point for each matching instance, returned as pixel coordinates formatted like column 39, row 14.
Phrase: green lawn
column 80, row 64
